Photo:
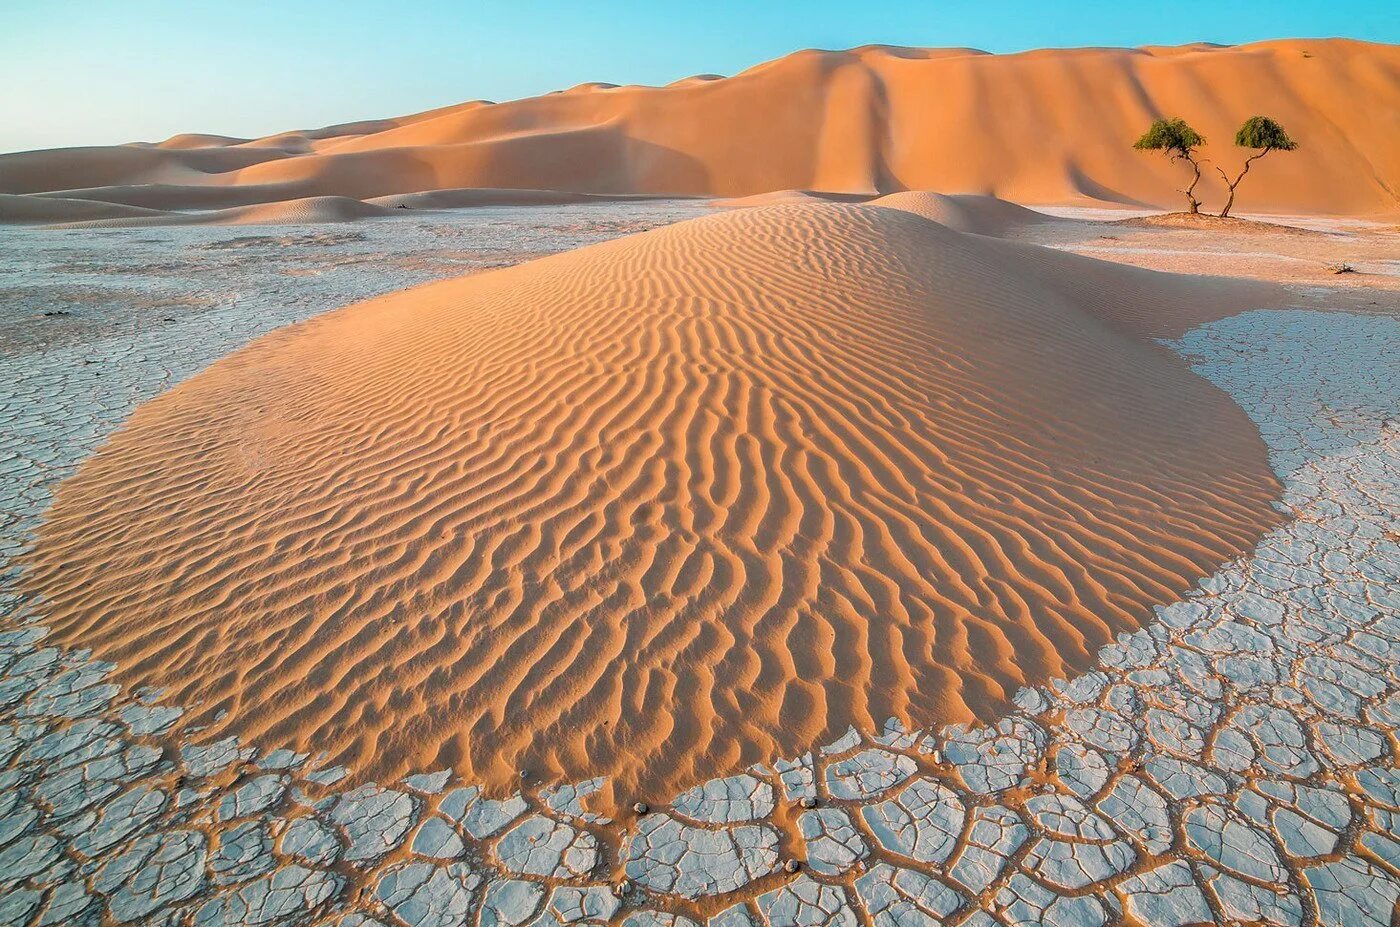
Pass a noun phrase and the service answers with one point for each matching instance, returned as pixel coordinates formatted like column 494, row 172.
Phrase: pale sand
column 665, row 506
column 311, row 210
column 1053, row 126
column 1299, row 252
column 34, row 210
column 306, row 211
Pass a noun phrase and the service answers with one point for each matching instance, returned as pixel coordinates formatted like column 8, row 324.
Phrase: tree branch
column 1224, row 213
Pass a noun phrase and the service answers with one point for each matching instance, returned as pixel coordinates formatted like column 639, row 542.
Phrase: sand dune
column 311, row 209
column 64, row 169
column 173, row 197
column 45, row 210
column 788, row 198
column 477, row 196
column 79, row 213
column 1039, row 127
column 667, row 505
column 980, row 215
column 200, row 140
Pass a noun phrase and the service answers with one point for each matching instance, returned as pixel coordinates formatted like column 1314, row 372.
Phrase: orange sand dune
column 1050, row 126
column 981, row 215
column 479, row 196
column 664, row 506
column 199, row 140
column 790, row 197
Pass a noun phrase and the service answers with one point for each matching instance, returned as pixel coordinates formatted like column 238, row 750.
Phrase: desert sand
column 33, row 210
column 1051, row 126
column 311, row 210
column 913, row 556
column 665, row 506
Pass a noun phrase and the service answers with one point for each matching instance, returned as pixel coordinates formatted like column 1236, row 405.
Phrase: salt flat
column 1234, row 760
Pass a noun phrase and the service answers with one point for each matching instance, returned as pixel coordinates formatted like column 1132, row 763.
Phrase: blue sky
column 104, row 71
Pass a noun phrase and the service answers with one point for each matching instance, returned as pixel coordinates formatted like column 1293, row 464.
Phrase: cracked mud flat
column 1234, row 761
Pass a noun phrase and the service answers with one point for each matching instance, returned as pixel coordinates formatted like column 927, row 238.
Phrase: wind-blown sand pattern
column 1051, row 126
column 667, row 506
column 1234, row 762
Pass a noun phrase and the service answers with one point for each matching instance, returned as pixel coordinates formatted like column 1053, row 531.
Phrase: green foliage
column 1263, row 132
column 1171, row 135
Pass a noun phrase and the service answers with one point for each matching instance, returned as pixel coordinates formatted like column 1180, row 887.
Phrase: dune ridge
column 80, row 213
column 980, row 215
column 35, row 210
column 307, row 210
column 664, row 506
column 1052, row 126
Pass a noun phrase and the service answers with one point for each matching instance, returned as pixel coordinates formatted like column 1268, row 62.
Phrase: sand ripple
column 664, row 506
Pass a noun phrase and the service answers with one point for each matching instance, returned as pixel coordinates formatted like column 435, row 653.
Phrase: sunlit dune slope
column 665, row 506
column 1038, row 127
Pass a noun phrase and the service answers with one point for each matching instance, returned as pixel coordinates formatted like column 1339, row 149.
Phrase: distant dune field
column 1051, row 126
column 668, row 505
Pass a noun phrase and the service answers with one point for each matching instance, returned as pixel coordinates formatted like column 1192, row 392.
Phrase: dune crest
column 980, row 215
column 1052, row 126
column 665, row 506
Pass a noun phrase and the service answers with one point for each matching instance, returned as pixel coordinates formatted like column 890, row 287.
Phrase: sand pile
column 1185, row 220
column 1051, row 126
column 296, row 212
column 665, row 506
column 46, row 210
column 980, row 215
column 789, row 198
column 474, row 196
column 309, row 210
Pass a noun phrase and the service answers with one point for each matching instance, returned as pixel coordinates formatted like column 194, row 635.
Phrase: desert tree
column 1263, row 135
column 1180, row 142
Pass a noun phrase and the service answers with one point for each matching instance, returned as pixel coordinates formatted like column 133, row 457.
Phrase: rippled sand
column 665, row 506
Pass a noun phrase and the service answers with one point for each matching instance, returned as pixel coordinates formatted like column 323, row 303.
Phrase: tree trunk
column 1230, row 200
column 1190, row 191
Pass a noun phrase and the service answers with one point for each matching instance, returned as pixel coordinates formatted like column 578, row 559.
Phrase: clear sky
column 103, row 71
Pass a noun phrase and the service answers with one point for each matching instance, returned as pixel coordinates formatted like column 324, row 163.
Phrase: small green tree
column 1179, row 141
column 1263, row 135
